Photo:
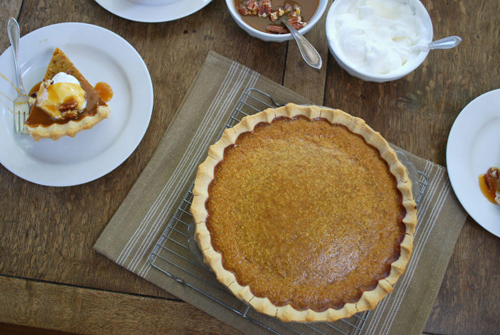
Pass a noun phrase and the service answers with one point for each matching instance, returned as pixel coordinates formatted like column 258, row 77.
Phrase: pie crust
column 205, row 175
column 55, row 130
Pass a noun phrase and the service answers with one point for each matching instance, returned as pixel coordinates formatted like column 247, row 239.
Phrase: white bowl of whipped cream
column 379, row 40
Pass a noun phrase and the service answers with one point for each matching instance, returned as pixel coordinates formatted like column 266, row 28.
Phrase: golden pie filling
column 305, row 213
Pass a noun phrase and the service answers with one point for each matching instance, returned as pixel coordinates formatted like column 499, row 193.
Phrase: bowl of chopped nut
column 262, row 18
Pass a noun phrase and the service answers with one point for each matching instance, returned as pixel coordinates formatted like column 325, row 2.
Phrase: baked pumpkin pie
column 305, row 213
column 66, row 103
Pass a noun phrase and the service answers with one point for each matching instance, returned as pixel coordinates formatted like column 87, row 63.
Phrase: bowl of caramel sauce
column 262, row 18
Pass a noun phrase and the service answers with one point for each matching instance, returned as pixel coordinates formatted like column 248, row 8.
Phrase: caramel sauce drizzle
column 4, row 77
column 5, row 95
column 34, row 90
column 104, row 90
column 489, row 193
column 93, row 96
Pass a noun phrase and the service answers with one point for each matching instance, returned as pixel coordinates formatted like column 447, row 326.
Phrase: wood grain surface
column 51, row 278
column 77, row 310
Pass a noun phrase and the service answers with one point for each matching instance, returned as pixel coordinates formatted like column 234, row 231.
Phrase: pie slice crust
column 205, row 175
column 55, row 131
column 100, row 111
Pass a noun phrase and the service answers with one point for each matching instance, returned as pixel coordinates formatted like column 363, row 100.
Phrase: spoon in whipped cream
column 445, row 43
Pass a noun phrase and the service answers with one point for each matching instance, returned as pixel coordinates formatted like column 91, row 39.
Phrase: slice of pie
column 65, row 104
column 305, row 213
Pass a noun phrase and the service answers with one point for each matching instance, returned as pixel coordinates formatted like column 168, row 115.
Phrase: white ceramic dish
column 473, row 147
column 366, row 76
column 274, row 37
column 153, row 10
column 100, row 55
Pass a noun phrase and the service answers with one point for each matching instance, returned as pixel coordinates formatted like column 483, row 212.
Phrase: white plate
column 100, row 55
column 474, row 147
column 153, row 10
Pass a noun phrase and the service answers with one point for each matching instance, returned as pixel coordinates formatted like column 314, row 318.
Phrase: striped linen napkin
column 136, row 227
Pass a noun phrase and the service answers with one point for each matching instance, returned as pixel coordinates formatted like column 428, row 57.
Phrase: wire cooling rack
column 176, row 254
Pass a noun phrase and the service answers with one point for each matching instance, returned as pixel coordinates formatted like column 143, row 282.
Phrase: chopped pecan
column 492, row 179
column 70, row 114
column 296, row 10
column 273, row 16
column 280, row 11
column 296, row 22
column 68, row 105
column 495, row 173
column 243, row 10
column 252, row 7
column 274, row 29
column 287, row 8
column 47, row 83
column 299, row 25
column 265, row 8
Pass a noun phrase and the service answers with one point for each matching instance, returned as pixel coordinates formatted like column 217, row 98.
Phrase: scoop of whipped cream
column 62, row 93
column 377, row 36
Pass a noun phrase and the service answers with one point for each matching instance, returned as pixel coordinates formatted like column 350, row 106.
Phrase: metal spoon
column 308, row 52
column 445, row 43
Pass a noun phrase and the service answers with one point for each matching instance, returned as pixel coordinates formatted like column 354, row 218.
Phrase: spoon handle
column 308, row 52
column 445, row 43
column 14, row 37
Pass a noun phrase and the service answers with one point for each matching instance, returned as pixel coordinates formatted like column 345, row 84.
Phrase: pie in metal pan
column 305, row 213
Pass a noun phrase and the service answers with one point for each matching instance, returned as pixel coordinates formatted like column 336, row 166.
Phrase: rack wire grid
column 177, row 255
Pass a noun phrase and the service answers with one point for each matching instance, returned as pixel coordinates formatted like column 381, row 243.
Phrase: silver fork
column 21, row 104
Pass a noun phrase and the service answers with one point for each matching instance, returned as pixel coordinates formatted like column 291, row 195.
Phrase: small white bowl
column 379, row 78
column 274, row 37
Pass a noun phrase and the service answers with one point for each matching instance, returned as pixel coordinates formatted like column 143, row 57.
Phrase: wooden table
column 50, row 278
